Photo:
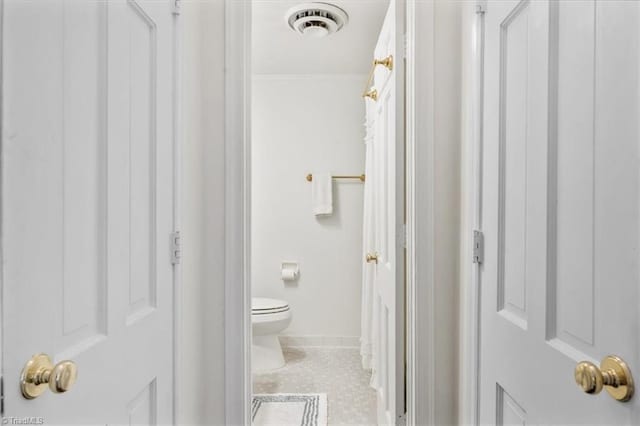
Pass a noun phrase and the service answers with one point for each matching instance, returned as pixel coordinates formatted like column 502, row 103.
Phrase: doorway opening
column 327, row 334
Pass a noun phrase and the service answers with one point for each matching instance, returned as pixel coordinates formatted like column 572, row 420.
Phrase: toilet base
column 266, row 353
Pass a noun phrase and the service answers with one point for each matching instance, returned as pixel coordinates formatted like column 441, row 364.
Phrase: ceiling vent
column 316, row 19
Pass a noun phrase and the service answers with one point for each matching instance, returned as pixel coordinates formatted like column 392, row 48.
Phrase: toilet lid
column 261, row 305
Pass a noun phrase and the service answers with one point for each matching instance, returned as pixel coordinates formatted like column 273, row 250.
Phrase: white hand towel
column 322, row 194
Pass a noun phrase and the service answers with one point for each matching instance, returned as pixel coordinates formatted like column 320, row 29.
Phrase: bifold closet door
column 87, row 207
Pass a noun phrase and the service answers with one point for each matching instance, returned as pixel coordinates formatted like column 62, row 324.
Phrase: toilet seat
column 264, row 306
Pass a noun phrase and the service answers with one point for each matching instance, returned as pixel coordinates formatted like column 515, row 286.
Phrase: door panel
column 561, row 198
column 573, row 100
column 87, row 194
column 512, row 278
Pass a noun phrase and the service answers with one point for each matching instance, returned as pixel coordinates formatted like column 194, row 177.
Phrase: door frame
column 237, row 213
column 420, row 195
column 473, row 47
column 2, row 129
column 177, row 211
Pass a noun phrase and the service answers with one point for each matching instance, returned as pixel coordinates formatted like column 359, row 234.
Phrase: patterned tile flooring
column 334, row 371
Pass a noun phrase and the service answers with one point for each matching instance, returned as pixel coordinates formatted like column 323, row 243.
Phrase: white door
column 388, row 186
column 561, row 208
column 87, row 206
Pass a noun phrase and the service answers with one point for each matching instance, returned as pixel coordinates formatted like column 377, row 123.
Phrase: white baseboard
column 324, row 341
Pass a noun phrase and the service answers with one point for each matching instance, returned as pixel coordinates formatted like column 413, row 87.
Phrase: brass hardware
column 613, row 375
column 387, row 62
column 372, row 258
column 371, row 92
column 39, row 372
column 361, row 177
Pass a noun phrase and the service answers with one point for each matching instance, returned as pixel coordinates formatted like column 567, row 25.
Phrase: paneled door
column 87, row 207
column 388, row 184
column 560, row 212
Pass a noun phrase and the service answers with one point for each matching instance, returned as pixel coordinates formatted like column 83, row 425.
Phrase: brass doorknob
column 372, row 257
column 613, row 375
column 39, row 372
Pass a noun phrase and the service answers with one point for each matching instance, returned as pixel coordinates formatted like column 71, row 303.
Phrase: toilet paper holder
column 290, row 271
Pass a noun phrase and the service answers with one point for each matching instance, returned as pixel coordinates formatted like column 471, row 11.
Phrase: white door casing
column 388, row 184
column 560, row 208
column 87, row 206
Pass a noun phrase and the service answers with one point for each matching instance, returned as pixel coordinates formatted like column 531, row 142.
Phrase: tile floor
column 334, row 371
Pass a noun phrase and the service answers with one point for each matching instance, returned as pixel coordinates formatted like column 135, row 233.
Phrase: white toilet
column 268, row 318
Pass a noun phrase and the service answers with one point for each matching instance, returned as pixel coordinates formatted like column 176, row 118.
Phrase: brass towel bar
column 361, row 177
column 371, row 92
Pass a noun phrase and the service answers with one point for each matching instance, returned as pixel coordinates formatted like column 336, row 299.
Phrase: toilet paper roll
column 289, row 274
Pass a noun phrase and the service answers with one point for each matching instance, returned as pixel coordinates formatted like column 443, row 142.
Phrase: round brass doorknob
column 613, row 375
column 40, row 373
column 63, row 376
column 589, row 377
column 372, row 257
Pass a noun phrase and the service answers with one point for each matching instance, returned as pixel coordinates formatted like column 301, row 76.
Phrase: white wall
column 437, row 206
column 447, row 205
column 306, row 124
column 201, row 349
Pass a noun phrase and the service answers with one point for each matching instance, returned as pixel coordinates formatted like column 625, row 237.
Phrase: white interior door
column 388, row 175
column 87, row 206
column 560, row 208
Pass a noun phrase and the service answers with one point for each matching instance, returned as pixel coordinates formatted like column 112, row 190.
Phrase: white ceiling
column 279, row 50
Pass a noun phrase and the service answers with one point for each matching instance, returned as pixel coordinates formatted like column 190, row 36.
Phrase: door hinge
column 405, row 47
column 402, row 420
column 481, row 7
column 1, row 396
column 478, row 247
column 176, row 7
column 402, row 236
column 405, row 235
column 176, row 248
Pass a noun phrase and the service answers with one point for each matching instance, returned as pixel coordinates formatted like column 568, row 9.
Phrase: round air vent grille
column 316, row 19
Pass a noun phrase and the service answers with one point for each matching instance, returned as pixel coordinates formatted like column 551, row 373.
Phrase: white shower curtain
column 369, row 320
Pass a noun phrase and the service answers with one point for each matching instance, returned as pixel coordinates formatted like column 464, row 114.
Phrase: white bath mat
column 288, row 409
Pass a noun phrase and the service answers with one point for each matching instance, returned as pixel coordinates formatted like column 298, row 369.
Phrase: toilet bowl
column 268, row 318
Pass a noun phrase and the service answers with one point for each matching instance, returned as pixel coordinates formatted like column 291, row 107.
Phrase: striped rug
column 289, row 409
